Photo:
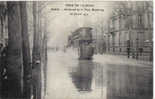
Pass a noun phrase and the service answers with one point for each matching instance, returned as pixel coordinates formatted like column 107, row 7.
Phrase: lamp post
column 137, row 48
column 108, row 42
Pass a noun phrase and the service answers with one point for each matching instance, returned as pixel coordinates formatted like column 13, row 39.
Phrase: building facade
column 130, row 26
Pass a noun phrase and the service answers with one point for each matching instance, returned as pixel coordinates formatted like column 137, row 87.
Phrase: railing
column 142, row 53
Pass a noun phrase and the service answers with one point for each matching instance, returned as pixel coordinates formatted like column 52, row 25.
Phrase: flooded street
column 70, row 78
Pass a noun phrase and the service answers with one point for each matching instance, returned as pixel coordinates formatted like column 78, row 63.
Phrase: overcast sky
column 61, row 23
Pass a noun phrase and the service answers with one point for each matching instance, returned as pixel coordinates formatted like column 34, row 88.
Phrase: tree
column 36, row 57
column 44, row 55
column 2, row 29
column 14, row 54
column 39, row 49
column 26, row 51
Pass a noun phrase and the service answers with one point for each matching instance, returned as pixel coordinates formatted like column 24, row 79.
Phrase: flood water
column 85, row 79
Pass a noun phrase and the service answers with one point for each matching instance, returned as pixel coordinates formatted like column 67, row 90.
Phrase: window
column 134, row 21
column 151, row 19
column 139, row 19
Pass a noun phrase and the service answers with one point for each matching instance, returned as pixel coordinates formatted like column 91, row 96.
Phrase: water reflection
column 129, row 82
column 117, row 81
column 82, row 75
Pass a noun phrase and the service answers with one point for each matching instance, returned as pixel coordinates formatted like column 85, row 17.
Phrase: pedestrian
column 137, row 53
column 128, row 48
column 140, row 51
column 133, row 53
column 128, row 52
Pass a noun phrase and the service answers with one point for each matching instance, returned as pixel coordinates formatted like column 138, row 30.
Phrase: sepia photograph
column 76, row 49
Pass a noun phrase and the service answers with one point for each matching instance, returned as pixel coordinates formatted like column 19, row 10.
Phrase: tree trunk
column 26, row 52
column 36, row 55
column 45, row 63
column 14, row 55
column 45, row 55
column 2, row 27
column 1, row 64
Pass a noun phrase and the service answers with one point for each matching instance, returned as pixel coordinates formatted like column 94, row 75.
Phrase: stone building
column 130, row 25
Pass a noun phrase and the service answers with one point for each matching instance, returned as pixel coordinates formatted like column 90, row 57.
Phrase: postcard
column 76, row 49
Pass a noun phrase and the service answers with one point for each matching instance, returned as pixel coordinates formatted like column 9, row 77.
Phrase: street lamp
column 137, row 48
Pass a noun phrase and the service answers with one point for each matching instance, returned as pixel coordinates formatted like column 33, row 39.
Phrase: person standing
column 128, row 52
column 128, row 48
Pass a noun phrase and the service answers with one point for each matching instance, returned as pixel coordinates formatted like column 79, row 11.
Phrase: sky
column 61, row 23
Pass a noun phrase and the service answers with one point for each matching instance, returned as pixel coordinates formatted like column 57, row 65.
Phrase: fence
column 144, row 53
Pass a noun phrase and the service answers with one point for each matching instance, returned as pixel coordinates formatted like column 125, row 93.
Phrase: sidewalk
column 143, row 57
column 135, row 60
column 120, row 59
column 110, row 59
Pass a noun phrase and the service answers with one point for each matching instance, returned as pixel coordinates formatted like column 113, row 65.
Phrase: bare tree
column 15, row 56
column 26, row 51
column 36, row 55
